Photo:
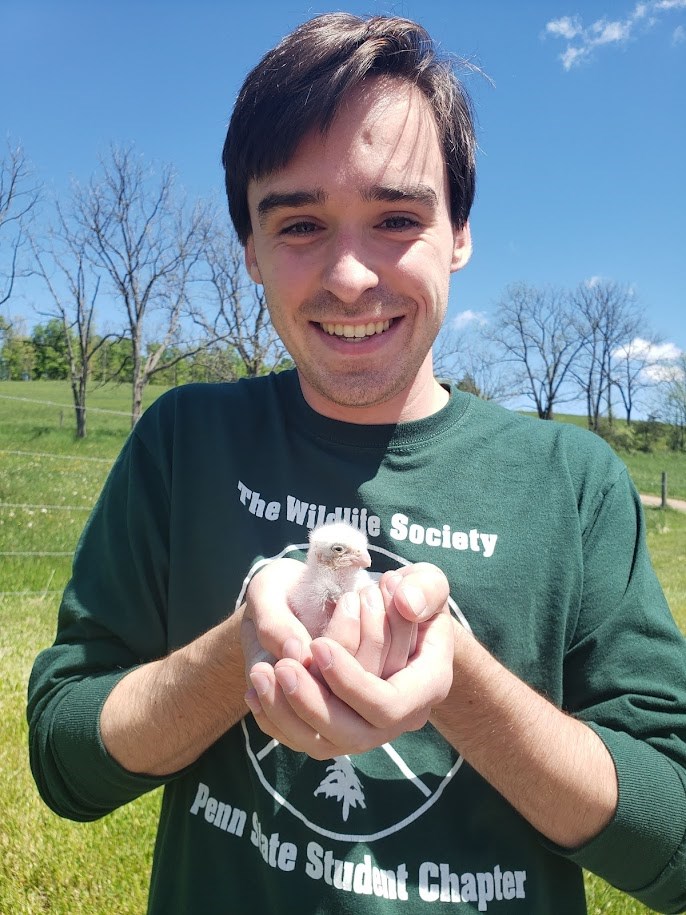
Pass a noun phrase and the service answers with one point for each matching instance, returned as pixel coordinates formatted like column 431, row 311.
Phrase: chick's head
column 338, row 546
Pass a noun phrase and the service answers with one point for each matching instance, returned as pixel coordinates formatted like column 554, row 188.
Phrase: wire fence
column 46, row 508
column 56, row 456
column 30, row 562
column 65, row 406
column 36, row 410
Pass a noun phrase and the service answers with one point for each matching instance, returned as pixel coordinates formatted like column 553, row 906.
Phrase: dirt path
column 678, row 504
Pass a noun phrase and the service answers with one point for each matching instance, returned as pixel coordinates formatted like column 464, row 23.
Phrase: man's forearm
column 163, row 715
column 552, row 768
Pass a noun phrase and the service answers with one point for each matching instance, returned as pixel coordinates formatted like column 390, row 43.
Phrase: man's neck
column 420, row 401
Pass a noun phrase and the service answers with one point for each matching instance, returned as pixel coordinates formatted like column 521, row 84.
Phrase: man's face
column 353, row 243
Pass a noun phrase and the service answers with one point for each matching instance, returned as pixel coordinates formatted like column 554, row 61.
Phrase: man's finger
column 418, row 591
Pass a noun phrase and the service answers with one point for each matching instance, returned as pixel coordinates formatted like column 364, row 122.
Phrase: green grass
column 646, row 471
column 645, row 468
column 667, row 544
column 48, row 478
column 48, row 481
column 39, row 416
column 48, row 864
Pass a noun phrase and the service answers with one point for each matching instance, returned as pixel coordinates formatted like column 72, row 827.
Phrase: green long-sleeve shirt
column 541, row 537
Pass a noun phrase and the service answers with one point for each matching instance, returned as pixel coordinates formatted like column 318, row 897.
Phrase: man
column 507, row 706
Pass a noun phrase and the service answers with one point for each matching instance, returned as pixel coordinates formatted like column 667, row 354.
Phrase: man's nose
column 348, row 271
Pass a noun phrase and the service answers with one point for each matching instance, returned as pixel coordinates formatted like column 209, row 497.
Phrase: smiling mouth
column 355, row 332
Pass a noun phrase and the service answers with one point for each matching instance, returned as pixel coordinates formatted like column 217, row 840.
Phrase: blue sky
column 582, row 125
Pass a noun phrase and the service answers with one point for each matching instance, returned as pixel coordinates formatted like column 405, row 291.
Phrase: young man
column 507, row 705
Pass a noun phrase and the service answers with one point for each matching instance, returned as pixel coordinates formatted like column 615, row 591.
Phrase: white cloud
column 583, row 40
column 564, row 28
column 608, row 32
column 573, row 56
column 653, row 352
column 670, row 5
column 465, row 318
column 659, row 359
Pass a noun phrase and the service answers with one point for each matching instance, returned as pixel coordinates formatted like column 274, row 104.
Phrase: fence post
column 664, row 490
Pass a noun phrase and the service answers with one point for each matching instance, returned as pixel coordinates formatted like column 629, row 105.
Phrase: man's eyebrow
column 415, row 193
column 288, row 199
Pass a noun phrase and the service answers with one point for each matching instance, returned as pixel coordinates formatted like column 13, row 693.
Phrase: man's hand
column 384, row 662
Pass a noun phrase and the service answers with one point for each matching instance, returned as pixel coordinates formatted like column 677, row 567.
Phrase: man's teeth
column 356, row 331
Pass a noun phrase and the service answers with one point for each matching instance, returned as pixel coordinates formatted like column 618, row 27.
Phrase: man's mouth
column 354, row 332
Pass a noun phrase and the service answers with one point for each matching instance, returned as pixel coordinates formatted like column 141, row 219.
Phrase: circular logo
column 383, row 790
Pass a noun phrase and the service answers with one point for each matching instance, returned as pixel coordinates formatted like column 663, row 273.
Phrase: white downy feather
column 337, row 560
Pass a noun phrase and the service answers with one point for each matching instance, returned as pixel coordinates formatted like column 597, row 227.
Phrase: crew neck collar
column 388, row 436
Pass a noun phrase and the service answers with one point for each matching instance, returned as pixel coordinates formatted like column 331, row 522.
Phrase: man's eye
column 399, row 222
column 299, row 228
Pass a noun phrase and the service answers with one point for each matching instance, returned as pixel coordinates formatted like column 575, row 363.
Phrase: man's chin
column 356, row 397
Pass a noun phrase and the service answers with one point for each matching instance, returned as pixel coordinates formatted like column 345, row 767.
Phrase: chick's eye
column 337, row 548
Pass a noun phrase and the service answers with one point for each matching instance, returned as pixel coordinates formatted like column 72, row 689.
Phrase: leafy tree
column 647, row 433
column 17, row 355
column 52, row 350
column 113, row 361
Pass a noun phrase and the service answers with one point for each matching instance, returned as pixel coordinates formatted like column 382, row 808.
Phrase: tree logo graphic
column 342, row 784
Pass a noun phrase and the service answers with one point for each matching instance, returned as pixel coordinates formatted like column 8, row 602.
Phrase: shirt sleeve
column 111, row 619
column 625, row 675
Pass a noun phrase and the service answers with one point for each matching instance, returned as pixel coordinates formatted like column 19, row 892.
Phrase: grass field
column 48, row 482
column 646, row 468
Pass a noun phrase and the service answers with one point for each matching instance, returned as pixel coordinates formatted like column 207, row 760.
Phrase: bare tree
column 18, row 197
column 607, row 319
column 635, row 366
column 467, row 357
column 534, row 332
column 145, row 239
column 674, row 402
column 241, row 317
column 62, row 263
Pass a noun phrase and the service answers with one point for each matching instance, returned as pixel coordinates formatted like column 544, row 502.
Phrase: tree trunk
column 137, row 403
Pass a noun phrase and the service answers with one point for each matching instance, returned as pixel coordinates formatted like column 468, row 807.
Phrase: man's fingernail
column 392, row 580
column 293, row 648
column 286, row 679
column 415, row 598
column 260, row 683
column 322, row 655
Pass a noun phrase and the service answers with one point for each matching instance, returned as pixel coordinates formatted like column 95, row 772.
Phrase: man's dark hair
column 300, row 84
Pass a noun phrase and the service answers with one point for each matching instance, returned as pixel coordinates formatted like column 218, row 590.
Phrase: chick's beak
column 365, row 559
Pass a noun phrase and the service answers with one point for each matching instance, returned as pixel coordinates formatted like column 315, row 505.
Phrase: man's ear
column 462, row 247
column 251, row 261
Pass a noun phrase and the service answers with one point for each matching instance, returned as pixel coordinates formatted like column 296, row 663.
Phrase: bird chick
column 337, row 560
